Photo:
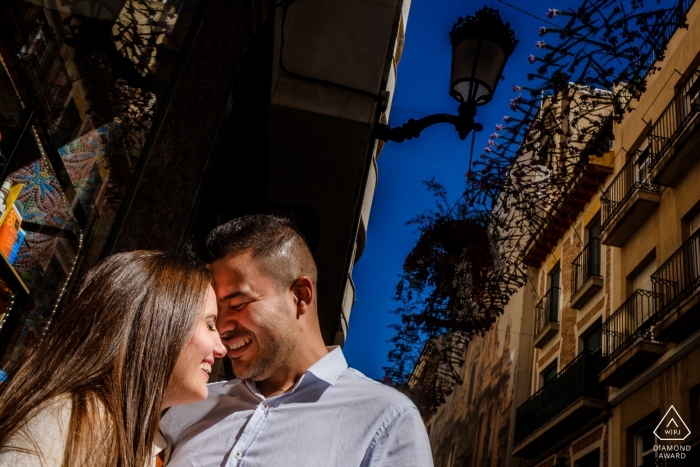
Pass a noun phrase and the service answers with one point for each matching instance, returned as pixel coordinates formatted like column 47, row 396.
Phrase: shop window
column 73, row 124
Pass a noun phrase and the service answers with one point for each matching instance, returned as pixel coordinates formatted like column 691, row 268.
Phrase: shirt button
column 238, row 454
column 265, row 407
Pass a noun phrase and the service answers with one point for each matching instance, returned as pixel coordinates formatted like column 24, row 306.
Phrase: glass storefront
column 80, row 86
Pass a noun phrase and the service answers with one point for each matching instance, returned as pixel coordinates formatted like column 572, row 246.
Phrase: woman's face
column 188, row 382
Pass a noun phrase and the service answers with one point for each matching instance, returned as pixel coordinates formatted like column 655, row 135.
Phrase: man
column 295, row 402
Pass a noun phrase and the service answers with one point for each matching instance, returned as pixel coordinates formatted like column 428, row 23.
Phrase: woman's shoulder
column 41, row 438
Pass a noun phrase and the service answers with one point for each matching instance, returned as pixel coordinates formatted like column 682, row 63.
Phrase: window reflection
column 80, row 86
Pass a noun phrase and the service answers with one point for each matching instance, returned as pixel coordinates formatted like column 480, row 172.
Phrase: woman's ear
column 303, row 289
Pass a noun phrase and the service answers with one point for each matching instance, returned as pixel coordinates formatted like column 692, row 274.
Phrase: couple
column 141, row 336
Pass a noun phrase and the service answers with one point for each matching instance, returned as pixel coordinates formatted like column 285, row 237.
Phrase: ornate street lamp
column 481, row 45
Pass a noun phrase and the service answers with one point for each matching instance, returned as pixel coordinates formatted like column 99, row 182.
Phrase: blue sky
column 422, row 89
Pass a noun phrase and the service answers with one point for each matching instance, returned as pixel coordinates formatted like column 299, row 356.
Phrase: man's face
column 257, row 318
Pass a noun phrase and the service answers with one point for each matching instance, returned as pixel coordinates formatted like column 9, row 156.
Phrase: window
column 549, row 373
column 472, row 376
column 693, row 97
column 641, row 164
column 592, row 459
column 642, row 280
column 554, row 281
column 592, row 338
column 695, row 409
column 593, row 238
column 644, row 446
column 694, row 224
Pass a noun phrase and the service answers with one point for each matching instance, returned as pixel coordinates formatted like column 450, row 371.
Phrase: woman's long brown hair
column 112, row 350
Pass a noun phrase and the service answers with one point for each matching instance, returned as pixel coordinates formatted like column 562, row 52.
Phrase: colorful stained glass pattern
column 45, row 262
column 86, row 161
column 41, row 200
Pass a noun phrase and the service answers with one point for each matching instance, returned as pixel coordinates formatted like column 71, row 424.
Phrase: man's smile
column 238, row 343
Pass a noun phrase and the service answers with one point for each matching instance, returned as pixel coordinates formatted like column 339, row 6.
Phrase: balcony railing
column 39, row 56
column 632, row 321
column 679, row 277
column 674, row 119
column 547, row 310
column 586, row 265
column 578, row 379
column 52, row 93
column 633, row 177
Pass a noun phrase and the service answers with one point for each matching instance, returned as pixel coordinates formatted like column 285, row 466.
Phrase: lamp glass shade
column 481, row 45
column 477, row 65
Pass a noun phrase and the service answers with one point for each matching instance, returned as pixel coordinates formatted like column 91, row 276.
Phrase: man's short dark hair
column 275, row 242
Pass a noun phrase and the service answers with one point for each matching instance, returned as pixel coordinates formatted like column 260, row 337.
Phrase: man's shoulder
column 362, row 387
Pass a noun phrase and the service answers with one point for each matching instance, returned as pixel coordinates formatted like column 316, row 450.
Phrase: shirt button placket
column 251, row 431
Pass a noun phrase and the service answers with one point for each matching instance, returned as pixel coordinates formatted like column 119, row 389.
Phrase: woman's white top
column 42, row 440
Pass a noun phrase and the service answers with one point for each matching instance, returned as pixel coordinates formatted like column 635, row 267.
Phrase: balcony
column 628, row 200
column 585, row 275
column 564, row 404
column 678, row 282
column 39, row 57
column 628, row 338
column 547, row 317
column 673, row 137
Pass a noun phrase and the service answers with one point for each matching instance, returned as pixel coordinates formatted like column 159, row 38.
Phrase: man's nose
column 225, row 323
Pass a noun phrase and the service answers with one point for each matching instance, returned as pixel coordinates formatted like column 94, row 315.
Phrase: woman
column 138, row 337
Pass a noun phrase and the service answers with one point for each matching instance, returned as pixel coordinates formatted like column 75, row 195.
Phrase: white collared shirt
column 334, row 416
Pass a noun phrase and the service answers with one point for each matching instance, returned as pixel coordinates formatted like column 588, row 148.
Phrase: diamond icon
column 672, row 427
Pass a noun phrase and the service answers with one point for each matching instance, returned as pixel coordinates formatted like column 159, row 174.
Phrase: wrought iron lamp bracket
column 463, row 122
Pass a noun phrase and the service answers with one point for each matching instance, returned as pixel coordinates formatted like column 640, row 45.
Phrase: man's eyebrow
column 236, row 294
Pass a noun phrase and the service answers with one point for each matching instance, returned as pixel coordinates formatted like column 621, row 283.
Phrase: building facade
column 650, row 215
column 610, row 373
column 616, row 365
column 534, row 363
column 615, row 370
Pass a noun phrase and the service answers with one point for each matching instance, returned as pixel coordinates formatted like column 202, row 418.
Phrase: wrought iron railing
column 38, row 51
column 578, row 379
column 586, row 265
column 632, row 321
column 674, row 119
column 547, row 310
column 50, row 80
column 679, row 277
column 633, row 177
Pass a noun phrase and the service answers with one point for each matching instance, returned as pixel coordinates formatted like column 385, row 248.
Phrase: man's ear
column 303, row 289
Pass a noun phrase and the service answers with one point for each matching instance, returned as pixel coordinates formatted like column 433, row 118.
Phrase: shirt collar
column 328, row 369
column 330, row 366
